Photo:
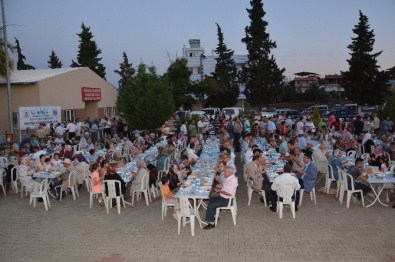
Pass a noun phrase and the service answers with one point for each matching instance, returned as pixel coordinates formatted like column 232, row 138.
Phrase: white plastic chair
column 144, row 189
column 87, row 179
column 2, row 171
column 127, row 150
column 3, row 162
column 352, row 190
column 92, row 194
column 72, row 185
column 186, row 211
column 340, row 182
column 329, row 178
column 165, row 204
column 312, row 196
column 361, row 149
column 250, row 191
column 286, row 192
column 388, row 156
column 166, row 164
column 232, row 206
column 352, row 153
column 365, row 156
column 42, row 193
column 112, row 194
column 22, row 173
column 14, row 179
column 245, row 175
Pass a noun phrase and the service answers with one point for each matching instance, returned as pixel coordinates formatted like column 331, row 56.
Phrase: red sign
column 90, row 94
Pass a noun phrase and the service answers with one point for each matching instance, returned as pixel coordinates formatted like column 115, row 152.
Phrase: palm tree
column 3, row 54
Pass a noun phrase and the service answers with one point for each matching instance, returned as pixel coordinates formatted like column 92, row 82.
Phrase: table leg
column 377, row 194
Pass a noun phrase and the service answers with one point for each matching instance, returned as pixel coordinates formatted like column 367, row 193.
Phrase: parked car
column 310, row 110
column 197, row 114
column 268, row 112
column 289, row 112
column 232, row 111
column 341, row 114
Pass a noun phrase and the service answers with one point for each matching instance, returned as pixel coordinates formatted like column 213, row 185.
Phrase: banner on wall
column 33, row 116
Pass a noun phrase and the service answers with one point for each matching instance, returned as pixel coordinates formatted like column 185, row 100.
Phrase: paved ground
column 71, row 231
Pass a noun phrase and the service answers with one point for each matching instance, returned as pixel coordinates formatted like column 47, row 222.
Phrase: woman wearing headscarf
column 138, row 178
column 367, row 142
column 81, row 168
column 68, row 152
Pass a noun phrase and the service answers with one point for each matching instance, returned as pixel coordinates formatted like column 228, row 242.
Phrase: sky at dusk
column 311, row 35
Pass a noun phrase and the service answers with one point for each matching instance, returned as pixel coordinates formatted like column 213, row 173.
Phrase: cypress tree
column 364, row 82
column 88, row 53
column 20, row 64
column 54, row 61
column 261, row 75
column 225, row 75
column 126, row 71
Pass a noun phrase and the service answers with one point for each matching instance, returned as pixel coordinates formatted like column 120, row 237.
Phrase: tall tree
column 88, row 53
column 146, row 101
column 3, row 53
column 54, row 61
column 178, row 75
column 261, row 74
column 126, row 71
column 364, row 82
column 20, row 64
column 225, row 75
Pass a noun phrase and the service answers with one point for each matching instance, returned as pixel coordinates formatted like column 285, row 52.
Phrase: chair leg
column 49, row 203
column 45, row 203
column 146, row 196
column 163, row 210
column 108, row 204
column 179, row 223
column 348, row 199
column 192, row 221
column 301, row 192
column 3, row 190
column 293, row 210
column 362, row 198
column 119, row 205
column 280, row 206
column 233, row 212
column 249, row 194
column 216, row 217
column 90, row 199
column 264, row 197
column 133, row 198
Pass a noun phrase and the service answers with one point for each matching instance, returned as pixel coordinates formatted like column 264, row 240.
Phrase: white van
column 197, row 114
column 212, row 111
column 232, row 111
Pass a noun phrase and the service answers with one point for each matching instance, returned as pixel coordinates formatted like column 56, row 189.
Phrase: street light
column 7, row 70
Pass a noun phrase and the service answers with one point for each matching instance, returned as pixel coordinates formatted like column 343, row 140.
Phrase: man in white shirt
column 271, row 127
column 287, row 178
column 78, row 131
column 72, row 128
column 202, row 125
column 227, row 191
column 299, row 126
column 59, row 130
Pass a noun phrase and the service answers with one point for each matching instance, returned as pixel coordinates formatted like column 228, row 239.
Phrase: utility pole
column 9, row 95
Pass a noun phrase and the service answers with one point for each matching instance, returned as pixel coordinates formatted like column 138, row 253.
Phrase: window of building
column 109, row 111
column 69, row 115
column 190, row 54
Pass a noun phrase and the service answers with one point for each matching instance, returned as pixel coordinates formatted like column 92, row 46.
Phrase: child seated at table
column 168, row 195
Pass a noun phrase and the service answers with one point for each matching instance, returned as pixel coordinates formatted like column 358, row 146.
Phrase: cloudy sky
column 311, row 35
